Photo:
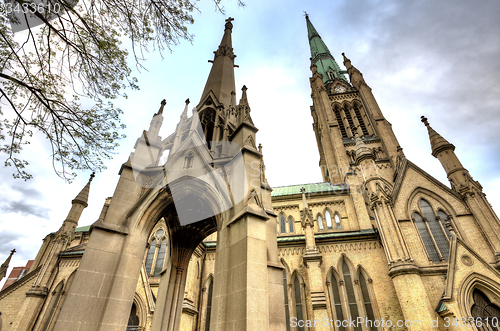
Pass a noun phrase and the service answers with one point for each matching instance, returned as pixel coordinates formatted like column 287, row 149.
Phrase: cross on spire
column 229, row 25
column 306, row 14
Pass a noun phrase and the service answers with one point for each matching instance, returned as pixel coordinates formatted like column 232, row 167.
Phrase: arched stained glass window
column 367, row 302
column 298, row 303
column 336, row 301
column 287, row 307
column 282, row 224
column 337, row 221
column 320, row 222
column 442, row 218
column 161, row 257
column 328, row 220
column 150, row 257
column 436, row 229
column 351, row 297
column 209, row 305
column 155, row 255
column 485, row 311
column 426, row 237
column 290, row 224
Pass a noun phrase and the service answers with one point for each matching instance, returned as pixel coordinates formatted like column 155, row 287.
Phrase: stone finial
column 260, row 148
column 163, row 103
column 229, row 25
column 345, row 58
column 187, row 101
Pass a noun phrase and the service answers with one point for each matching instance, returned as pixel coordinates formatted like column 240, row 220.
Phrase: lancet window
column 155, row 256
column 356, row 294
column 360, row 119
column 299, row 307
column 336, row 302
column 338, row 117
column 290, row 224
column 282, row 224
column 320, row 223
column 287, row 306
column 328, row 217
column 337, row 221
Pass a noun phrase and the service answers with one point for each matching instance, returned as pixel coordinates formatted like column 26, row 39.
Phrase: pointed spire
column 438, row 143
column 83, row 196
column 5, row 265
column 321, row 56
column 244, row 99
column 362, row 152
column 221, row 78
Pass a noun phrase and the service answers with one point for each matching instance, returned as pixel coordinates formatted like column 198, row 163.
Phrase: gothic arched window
column 337, row 304
column 337, row 221
column 155, row 256
column 209, row 305
column 351, row 297
column 485, row 311
column 297, row 293
column 366, row 301
column 290, row 224
column 282, row 224
column 320, row 222
column 287, row 306
column 328, row 220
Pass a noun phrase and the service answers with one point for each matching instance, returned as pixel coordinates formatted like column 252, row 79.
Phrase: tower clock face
column 340, row 89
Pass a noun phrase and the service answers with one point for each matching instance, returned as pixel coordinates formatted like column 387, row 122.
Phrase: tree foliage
column 48, row 77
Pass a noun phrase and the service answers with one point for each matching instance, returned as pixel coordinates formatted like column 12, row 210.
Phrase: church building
column 202, row 242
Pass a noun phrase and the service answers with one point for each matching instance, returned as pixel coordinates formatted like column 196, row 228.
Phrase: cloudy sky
column 434, row 58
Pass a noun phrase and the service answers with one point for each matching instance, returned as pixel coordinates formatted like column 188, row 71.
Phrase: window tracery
column 433, row 231
column 485, row 311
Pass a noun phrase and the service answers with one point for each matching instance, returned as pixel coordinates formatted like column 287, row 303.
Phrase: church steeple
column 221, row 78
column 321, row 56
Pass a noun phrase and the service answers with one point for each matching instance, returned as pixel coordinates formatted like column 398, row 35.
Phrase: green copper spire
column 320, row 55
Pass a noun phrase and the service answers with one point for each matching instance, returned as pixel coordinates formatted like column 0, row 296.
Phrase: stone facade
column 378, row 241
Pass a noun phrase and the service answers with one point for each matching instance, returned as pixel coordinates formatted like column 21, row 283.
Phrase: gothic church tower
column 425, row 227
